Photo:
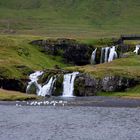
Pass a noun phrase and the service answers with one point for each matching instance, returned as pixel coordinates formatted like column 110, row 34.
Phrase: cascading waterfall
column 33, row 80
column 93, row 56
column 40, row 90
column 137, row 49
column 113, row 54
column 68, row 84
column 47, row 88
column 108, row 54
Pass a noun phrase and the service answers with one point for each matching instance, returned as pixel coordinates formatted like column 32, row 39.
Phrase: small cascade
column 107, row 54
column 68, row 84
column 107, row 50
column 40, row 90
column 113, row 54
column 33, row 80
column 137, row 49
column 104, row 54
column 47, row 88
column 93, row 56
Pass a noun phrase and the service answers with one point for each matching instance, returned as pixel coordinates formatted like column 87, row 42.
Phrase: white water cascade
column 40, row 90
column 68, row 84
column 47, row 88
column 33, row 80
column 104, row 54
column 137, row 49
column 93, row 56
column 113, row 54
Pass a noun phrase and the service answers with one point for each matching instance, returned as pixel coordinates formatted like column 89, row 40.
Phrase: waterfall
column 107, row 49
column 137, row 49
column 40, row 90
column 47, row 88
column 93, row 56
column 33, row 79
column 68, row 84
column 112, row 54
column 107, row 54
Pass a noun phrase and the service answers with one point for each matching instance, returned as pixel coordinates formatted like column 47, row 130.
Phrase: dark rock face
column 116, row 83
column 13, row 84
column 139, row 51
column 78, row 54
column 86, row 85
column 70, row 50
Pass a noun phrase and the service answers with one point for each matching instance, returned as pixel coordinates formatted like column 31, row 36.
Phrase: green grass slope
column 18, row 57
column 129, row 93
column 70, row 18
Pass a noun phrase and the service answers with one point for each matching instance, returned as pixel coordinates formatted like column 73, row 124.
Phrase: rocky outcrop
column 117, row 83
column 86, row 85
column 71, row 50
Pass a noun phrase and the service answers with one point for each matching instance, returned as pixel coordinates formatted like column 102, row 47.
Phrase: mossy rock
column 58, row 86
column 43, row 78
column 32, row 89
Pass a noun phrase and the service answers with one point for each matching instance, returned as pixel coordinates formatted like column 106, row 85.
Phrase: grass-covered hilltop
column 59, row 36
column 70, row 18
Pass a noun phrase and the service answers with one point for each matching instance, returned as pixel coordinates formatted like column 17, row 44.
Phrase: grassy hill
column 18, row 57
column 70, row 18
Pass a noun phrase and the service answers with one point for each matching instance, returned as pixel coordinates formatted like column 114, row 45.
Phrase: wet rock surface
column 71, row 123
